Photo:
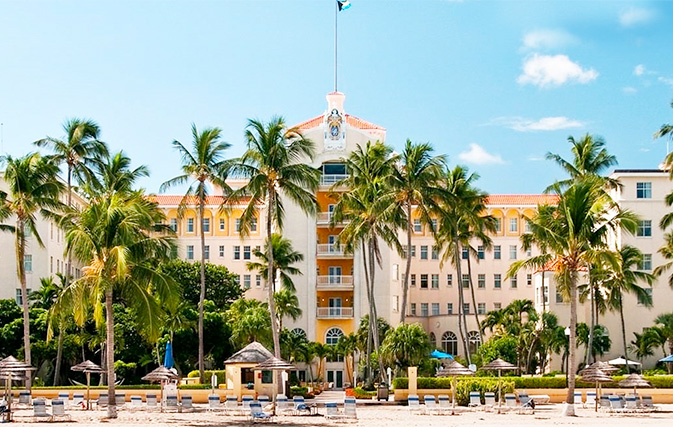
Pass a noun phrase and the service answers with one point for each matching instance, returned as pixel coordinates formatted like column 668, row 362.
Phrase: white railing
column 335, row 280
column 335, row 312
column 330, row 249
column 324, row 217
column 332, row 179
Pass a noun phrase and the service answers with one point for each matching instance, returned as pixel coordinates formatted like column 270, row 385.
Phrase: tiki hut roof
column 12, row 364
column 634, row 380
column 160, row 374
column 454, row 369
column 275, row 364
column 251, row 353
column 499, row 365
column 87, row 366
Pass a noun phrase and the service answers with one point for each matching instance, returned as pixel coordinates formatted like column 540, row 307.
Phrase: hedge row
column 658, row 381
column 221, row 376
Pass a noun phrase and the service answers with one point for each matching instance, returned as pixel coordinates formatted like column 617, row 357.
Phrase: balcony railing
column 335, row 282
column 331, row 249
column 335, row 312
column 332, row 179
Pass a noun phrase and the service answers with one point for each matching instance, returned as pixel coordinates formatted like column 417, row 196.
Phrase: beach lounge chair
column 414, row 403
column 525, row 403
column 151, row 400
column 230, row 404
column 40, row 409
column 444, row 403
column 257, row 413
column 300, row 406
column 214, row 402
column 263, row 400
column 616, row 403
column 120, row 399
column 591, row 399
column 246, row 400
column 489, row 400
column 604, row 402
column 648, row 404
column 475, row 399
column 102, row 400
column 332, row 412
column 58, row 411
column 186, row 403
column 78, row 401
column 578, row 398
column 283, row 406
column 430, row 404
column 510, row 401
column 136, row 402
column 65, row 397
column 172, row 402
column 350, row 408
column 631, row 403
column 24, row 398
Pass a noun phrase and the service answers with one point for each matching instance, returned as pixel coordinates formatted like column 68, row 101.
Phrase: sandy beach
column 371, row 415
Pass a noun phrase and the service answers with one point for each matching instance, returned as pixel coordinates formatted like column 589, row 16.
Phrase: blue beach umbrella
column 168, row 358
column 440, row 355
column 667, row 359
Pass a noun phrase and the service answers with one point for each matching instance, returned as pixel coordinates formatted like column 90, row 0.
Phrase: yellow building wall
column 324, row 200
column 323, row 325
column 324, row 296
column 324, row 265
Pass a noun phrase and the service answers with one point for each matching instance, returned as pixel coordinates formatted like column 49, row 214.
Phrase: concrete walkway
column 330, row 396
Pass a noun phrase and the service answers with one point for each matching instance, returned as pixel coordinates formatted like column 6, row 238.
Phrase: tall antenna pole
column 336, row 14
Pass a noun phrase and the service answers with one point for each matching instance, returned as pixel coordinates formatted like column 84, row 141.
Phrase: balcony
column 324, row 218
column 331, row 179
column 334, row 312
column 331, row 250
column 334, row 283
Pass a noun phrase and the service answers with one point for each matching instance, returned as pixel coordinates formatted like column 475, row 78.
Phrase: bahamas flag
column 343, row 4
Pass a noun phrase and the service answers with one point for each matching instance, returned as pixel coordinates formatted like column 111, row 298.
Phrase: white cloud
column 665, row 80
column 533, row 158
column 639, row 70
column 477, row 155
column 635, row 16
column 547, row 39
column 554, row 70
column 629, row 90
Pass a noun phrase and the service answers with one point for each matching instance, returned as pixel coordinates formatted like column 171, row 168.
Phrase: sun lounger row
column 442, row 405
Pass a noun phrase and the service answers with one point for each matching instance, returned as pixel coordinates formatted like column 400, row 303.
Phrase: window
column 237, row 252
column 413, row 308
column 497, row 306
column 529, row 253
column 512, row 251
column 498, row 225
column 496, row 252
column 480, row 252
column 396, row 272
column 28, row 263
column 424, row 281
column 513, row 225
column 450, row 343
column 413, row 280
column 513, row 281
column 435, row 281
column 643, row 190
column 481, row 280
column 174, row 225
column 396, row 303
column 466, row 281
column 646, row 262
column 497, row 281
column 529, row 280
column 267, row 377
column 559, row 297
column 424, row 252
column 466, row 308
column 190, row 252
column 206, row 225
column 645, row 299
column 253, row 225
column 258, row 281
column 473, row 341
column 221, row 251
column 206, row 252
column 246, row 281
column 424, row 309
column 332, row 336
column 465, row 253
column 190, row 225
column 417, row 226
column 246, row 252
column 644, row 228
column 221, row 224
column 434, row 224
column 481, row 308
column 435, row 252
column 413, row 251
column 433, row 340
column 51, row 264
column 58, row 266
column 449, row 280
column 238, row 225
column 449, row 308
column 238, row 279
column 526, row 227
column 435, row 309
column 19, row 297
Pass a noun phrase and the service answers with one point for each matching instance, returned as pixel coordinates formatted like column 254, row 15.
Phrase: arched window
column 433, row 340
column 332, row 336
column 450, row 343
column 474, row 341
column 299, row 332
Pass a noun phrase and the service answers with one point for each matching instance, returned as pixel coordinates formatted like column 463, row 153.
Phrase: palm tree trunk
column 21, row 272
column 202, row 292
column 462, row 319
column 59, row 356
column 474, row 301
column 59, row 349
column 375, row 323
column 570, row 398
column 590, row 344
column 271, row 281
column 405, row 285
column 621, row 316
column 109, row 353
column 370, row 336
column 544, row 303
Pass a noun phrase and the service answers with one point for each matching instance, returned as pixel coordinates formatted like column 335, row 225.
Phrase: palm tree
column 666, row 130
column 116, row 237
column 250, row 321
column 665, row 324
column 287, row 305
column 348, row 345
column 48, row 292
column 415, row 182
column 321, row 351
column 570, row 236
column 624, row 279
column 407, row 345
column 33, row 190
column 643, row 345
column 274, row 166
column 204, row 164
column 45, row 298
column 284, row 256
column 370, row 215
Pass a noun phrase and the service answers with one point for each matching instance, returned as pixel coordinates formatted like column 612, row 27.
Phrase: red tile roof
column 521, row 199
column 356, row 122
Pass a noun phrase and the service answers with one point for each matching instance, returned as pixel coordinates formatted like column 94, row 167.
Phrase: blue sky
column 493, row 84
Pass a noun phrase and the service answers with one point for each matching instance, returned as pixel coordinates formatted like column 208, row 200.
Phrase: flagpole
column 336, row 14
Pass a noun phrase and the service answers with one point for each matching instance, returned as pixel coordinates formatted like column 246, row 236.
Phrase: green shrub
column 301, row 391
column 401, row 383
column 360, row 393
column 221, row 376
column 465, row 385
column 194, row 387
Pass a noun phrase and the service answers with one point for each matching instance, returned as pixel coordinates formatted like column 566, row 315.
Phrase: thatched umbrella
column 12, row 369
column 274, row 364
column 88, row 367
column 603, row 366
column 595, row 375
column 453, row 370
column 635, row 381
column 499, row 365
column 161, row 375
